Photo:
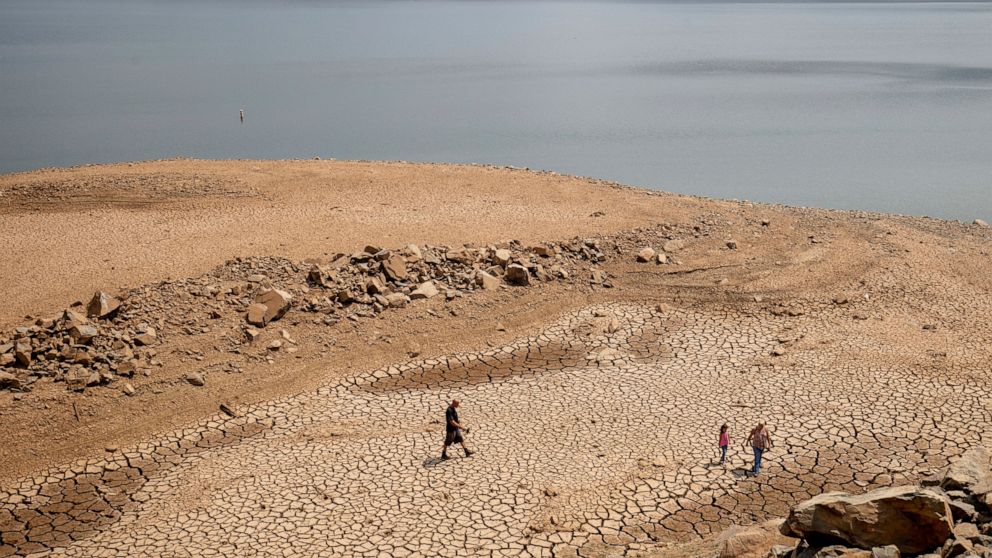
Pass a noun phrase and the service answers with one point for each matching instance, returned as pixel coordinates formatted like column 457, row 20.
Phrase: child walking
column 724, row 442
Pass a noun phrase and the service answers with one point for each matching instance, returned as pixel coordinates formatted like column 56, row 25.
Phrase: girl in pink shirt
column 724, row 442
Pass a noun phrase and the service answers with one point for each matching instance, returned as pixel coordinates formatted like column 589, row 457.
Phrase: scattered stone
column 424, row 290
column 503, row 257
column 102, row 305
column 128, row 389
column 196, row 379
column 9, row 381
column 228, row 411
column 276, row 303
column 487, row 281
column 22, row 352
column 148, row 337
column 83, row 334
column 980, row 223
column 460, row 255
column 256, row 314
column 395, row 268
column 397, row 300
column 888, row 551
column 672, row 246
column 645, row 255
column 517, row 274
column 732, row 244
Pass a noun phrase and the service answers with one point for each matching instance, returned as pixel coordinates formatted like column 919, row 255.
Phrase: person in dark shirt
column 453, row 430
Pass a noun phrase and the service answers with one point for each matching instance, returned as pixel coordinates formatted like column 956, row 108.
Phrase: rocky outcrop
column 949, row 516
column 912, row 518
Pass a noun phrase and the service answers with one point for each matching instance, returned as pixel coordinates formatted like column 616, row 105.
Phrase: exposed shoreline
column 814, row 301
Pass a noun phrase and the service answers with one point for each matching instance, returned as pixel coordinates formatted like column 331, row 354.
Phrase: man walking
column 760, row 440
column 453, row 430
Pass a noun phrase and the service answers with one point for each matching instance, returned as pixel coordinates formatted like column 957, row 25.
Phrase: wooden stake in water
column 242, row 115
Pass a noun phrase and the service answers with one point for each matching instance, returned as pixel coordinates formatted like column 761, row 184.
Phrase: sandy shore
column 860, row 338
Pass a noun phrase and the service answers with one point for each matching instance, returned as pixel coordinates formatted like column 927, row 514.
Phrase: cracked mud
column 595, row 437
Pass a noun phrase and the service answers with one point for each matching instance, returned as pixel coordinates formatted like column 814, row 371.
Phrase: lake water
column 875, row 106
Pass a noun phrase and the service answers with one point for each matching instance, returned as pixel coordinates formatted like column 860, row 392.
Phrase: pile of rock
column 949, row 515
column 113, row 337
column 382, row 278
column 81, row 346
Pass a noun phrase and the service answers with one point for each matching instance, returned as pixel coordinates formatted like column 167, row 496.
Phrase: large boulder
column 102, row 305
column 256, row 314
column 912, row 518
column 969, row 471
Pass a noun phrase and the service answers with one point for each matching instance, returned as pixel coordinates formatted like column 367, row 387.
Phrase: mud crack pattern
column 596, row 436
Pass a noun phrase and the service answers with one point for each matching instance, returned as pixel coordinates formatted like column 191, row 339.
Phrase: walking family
column 759, row 439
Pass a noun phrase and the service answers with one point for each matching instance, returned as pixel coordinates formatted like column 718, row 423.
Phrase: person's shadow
column 432, row 462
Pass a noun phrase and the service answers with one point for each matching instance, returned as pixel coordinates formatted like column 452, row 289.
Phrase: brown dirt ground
column 69, row 232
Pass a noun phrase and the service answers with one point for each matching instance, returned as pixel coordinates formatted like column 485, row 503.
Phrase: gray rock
column 195, row 378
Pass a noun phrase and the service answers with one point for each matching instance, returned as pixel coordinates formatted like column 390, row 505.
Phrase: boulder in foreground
column 913, row 519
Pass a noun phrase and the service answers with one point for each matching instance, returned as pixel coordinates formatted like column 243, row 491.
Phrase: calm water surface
column 876, row 106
